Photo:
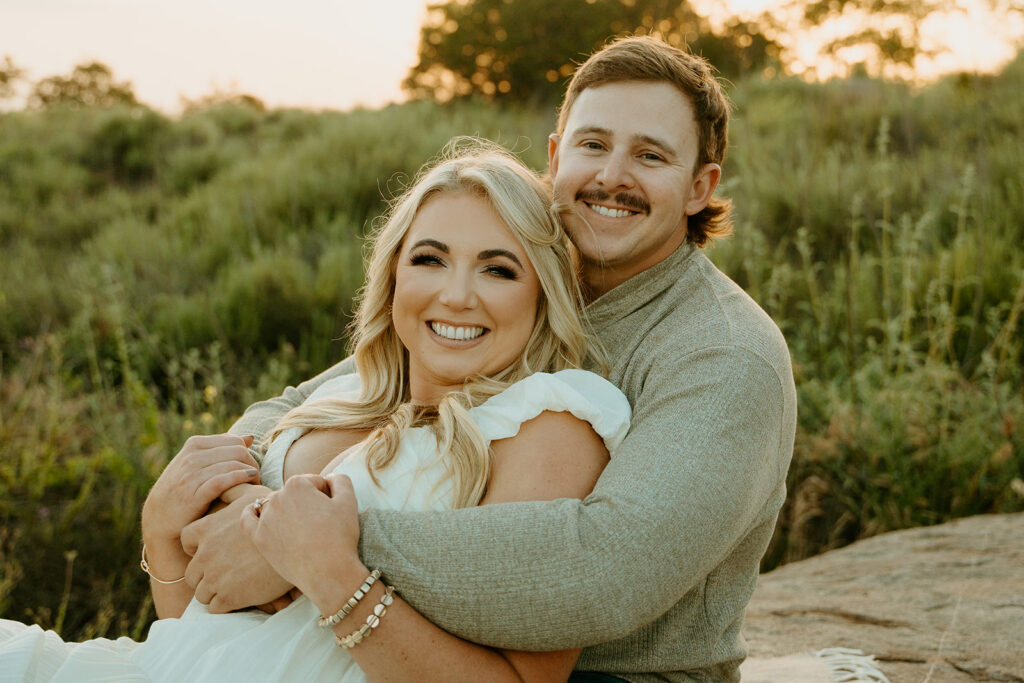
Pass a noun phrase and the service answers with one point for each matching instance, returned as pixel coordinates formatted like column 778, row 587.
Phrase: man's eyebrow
column 591, row 130
column 655, row 142
column 440, row 246
column 491, row 253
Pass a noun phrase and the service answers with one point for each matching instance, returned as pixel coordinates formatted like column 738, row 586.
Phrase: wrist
column 335, row 583
column 165, row 563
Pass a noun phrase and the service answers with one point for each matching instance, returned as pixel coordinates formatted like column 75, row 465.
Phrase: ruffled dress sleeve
column 586, row 395
column 272, row 471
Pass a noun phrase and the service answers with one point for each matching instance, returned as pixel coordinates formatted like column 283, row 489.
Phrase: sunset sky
column 313, row 53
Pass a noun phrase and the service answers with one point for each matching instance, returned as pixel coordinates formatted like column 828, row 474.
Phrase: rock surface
column 941, row 603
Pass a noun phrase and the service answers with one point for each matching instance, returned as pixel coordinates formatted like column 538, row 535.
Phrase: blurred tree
column 525, row 49
column 882, row 36
column 89, row 85
column 224, row 97
column 9, row 76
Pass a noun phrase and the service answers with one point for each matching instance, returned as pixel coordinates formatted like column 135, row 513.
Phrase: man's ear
column 553, row 140
column 704, row 183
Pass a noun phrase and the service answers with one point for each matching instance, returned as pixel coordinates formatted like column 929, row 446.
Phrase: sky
column 320, row 54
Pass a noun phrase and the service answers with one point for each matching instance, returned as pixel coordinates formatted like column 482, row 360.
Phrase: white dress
column 253, row 646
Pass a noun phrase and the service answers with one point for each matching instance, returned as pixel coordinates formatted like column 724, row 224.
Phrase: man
column 652, row 571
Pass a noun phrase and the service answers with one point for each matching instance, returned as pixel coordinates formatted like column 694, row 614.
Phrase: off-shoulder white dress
column 250, row 645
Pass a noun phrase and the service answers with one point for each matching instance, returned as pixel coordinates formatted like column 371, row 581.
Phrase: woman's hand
column 203, row 469
column 309, row 533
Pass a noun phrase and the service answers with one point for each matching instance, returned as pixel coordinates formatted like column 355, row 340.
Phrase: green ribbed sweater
column 652, row 573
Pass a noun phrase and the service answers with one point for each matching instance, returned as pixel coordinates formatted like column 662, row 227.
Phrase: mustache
column 623, row 199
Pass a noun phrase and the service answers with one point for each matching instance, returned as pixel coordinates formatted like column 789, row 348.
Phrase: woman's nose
column 458, row 291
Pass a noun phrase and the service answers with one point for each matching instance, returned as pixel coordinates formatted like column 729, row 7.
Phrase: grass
column 160, row 275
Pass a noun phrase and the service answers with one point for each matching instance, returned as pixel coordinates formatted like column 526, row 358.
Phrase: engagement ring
column 258, row 505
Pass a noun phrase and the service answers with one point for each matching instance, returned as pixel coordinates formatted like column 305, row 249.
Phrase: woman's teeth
column 457, row 333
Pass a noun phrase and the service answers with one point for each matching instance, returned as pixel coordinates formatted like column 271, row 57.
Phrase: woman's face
column 465, row 294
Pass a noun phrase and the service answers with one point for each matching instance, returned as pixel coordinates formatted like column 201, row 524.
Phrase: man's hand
column 226, row 571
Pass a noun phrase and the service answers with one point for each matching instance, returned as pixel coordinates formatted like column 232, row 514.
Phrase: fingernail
column 252, row 471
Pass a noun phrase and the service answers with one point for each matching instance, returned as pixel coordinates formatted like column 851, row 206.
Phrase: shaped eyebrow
column 492, row 253
column 440, row 246
column 483, row 255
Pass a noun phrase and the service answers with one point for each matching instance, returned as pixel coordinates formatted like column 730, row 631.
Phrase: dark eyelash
column 502, row 271
column 422, row 259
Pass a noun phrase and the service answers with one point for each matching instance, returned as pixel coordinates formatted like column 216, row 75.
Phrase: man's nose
column 458, row 291
column 616, row 171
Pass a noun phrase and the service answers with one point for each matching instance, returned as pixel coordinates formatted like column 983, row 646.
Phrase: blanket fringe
column 851, row 666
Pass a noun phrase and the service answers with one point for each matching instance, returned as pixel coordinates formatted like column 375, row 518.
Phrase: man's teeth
column 457, row 333
column 611, row 213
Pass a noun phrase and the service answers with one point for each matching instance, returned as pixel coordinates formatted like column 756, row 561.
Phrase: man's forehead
column 638, row 111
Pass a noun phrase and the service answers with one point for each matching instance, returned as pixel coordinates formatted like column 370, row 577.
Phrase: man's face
column 625, row 164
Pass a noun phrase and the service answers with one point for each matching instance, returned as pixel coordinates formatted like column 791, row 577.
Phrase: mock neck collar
column 638, row 290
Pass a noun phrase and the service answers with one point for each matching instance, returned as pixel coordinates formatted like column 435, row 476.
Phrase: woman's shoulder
column 341, row 386
column 580, row 394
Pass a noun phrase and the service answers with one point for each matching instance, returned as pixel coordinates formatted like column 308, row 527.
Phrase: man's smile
column 622, row 205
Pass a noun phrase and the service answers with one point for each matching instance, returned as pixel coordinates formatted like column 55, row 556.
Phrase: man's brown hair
column 642, row 58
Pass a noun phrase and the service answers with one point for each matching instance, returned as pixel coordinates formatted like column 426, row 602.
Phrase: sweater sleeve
column 710, row 442
column 259, row 418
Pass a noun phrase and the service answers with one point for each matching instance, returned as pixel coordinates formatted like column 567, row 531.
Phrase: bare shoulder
column 554, row 455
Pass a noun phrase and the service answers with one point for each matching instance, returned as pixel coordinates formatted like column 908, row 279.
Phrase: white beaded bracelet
column 372, row 621
column 346, row 609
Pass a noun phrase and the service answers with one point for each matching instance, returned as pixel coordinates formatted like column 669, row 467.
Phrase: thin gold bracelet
column 145, row 567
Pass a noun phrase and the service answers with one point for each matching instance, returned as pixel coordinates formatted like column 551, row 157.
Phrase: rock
column 941, row 603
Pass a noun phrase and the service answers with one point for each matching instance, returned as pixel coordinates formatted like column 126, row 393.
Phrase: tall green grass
column 161, row 274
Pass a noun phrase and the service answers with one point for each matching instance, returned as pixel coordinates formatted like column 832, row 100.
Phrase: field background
column 159, row 274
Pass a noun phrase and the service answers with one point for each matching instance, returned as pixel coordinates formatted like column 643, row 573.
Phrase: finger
column 191, row 536
column 194, row 576
column 302, row 482
column 211, row 489
column 204, row 593
column 223, row 453
column 200, row 442
column 250, row 522
column 267, row 608
column 339, row 485
column 219, row 605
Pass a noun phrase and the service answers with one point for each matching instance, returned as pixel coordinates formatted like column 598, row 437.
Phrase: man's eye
column 502, row 272
column 651, row 156
column 424, row 260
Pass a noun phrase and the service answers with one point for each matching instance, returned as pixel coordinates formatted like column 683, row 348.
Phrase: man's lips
column 621, row 201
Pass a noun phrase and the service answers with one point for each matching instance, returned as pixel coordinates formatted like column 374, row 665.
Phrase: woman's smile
column 456, row 333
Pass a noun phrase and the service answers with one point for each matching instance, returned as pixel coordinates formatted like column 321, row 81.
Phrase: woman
column 471, row 298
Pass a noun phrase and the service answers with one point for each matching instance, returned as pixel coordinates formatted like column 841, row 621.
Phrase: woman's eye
column 591, row 144
column 502, row 272
column 424, row 260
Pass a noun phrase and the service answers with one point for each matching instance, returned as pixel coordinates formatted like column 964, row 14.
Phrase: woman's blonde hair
column 559, row 339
